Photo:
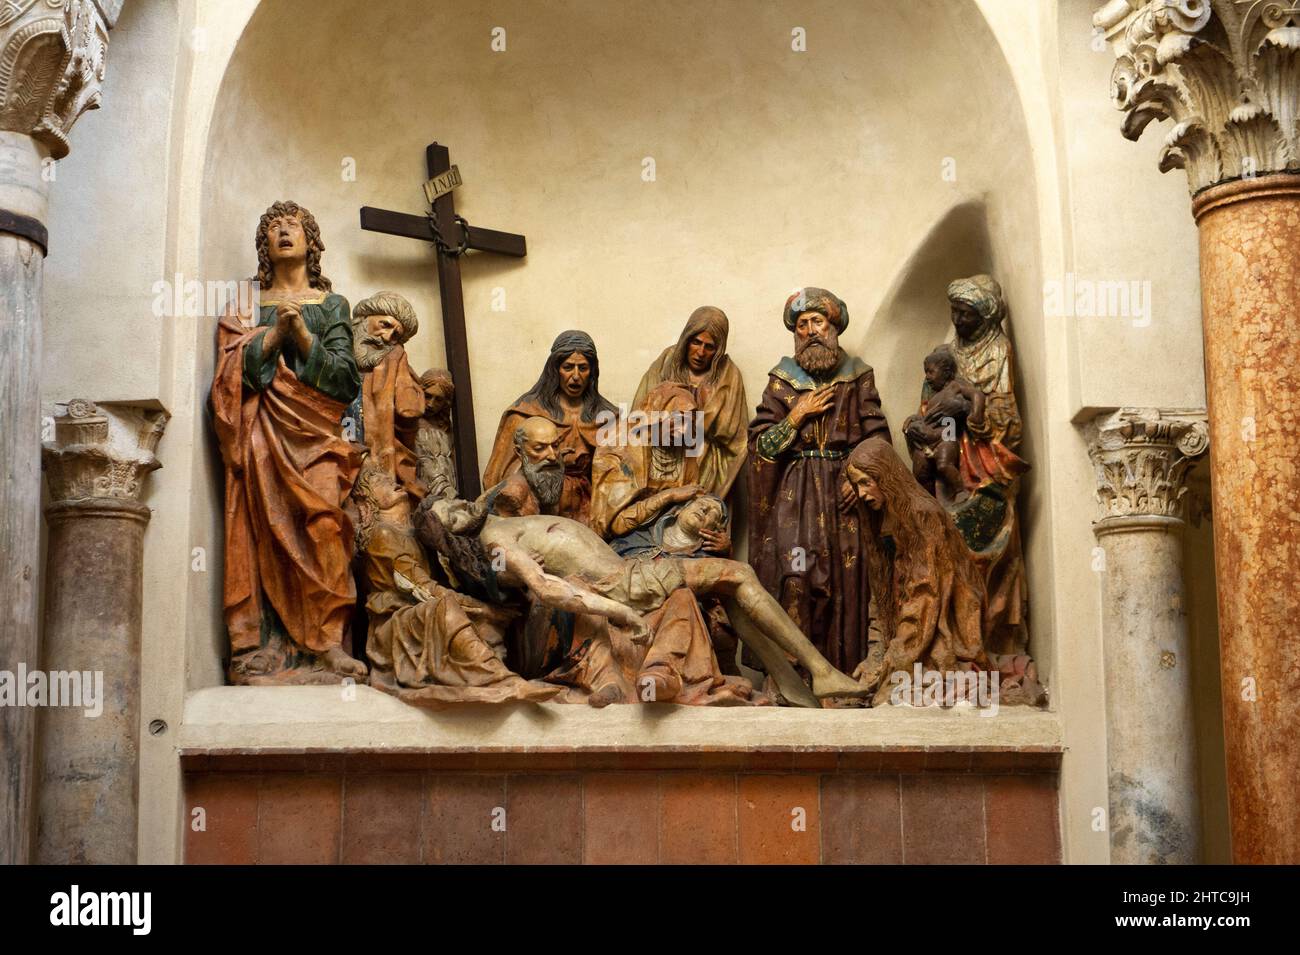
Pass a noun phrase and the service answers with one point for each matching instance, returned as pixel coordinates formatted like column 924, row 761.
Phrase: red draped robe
column 288, row 471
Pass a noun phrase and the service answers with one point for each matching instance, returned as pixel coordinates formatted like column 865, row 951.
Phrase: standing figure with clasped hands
column 817, row 406
column 285, row 376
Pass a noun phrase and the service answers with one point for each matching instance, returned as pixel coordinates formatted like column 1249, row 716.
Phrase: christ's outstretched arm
column 563, row 595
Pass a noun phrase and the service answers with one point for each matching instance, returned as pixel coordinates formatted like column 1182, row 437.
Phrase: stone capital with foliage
column 1142, row 456
column 1223, row 72
column 52, row 55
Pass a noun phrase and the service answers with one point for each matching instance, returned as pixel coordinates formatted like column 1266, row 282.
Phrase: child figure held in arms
column 934, row 434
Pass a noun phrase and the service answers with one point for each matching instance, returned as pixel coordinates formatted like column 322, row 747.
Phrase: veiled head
column 977, row 305
column 706, row 512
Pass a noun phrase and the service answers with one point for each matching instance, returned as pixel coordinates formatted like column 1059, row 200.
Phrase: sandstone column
column 1142, row 457
column 96, row 467
column 1227, row 74
column 51, row 65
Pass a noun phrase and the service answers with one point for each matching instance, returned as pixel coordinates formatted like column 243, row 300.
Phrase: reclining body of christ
column 565, row 565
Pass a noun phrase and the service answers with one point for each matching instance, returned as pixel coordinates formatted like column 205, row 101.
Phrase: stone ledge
column 235, row 727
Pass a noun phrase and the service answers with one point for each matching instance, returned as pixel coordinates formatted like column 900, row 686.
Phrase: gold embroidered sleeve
column 776, row 440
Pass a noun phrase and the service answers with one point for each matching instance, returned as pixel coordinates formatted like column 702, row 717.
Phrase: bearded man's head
column 818, row 352
column 546, row 479
column 380, row 323
column 537, row 444
column 816, row 317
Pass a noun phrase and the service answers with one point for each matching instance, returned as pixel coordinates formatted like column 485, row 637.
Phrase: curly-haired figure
column 423, row 646
column 948, row 404
column 285, row 376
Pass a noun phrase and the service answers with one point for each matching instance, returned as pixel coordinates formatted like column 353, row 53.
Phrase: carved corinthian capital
column 1224, row 71
column 101, row 452
column 51, row 65
column 1142, row 456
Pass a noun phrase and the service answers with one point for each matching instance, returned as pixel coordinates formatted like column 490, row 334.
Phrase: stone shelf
column 276, row 722
column 299, row 774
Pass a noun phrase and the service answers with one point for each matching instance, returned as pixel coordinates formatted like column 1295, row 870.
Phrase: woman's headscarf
column 982, row 293
column 706, row 318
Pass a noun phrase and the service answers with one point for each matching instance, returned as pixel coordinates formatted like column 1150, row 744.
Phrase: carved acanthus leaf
column 1225, row 72
column 52, row 55
column 102, row 452
column 1142, row 457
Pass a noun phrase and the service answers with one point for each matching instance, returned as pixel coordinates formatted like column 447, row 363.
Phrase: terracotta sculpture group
column 597, row 565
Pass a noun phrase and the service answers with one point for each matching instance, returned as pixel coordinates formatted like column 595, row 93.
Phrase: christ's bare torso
column 563, row 547
column 552, row 556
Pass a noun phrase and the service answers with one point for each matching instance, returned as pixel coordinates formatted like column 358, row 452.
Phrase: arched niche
column 885, row 159
column 914, row 310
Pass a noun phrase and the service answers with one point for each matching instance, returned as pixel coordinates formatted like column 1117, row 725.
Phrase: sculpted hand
column 868, row 672
column 639, row 632
column 418, row 591
column 848, row 496
column 291, row 326
column 285, row 313
column 915, row 428
column 811, row 404
column 278, row 333
column 687, row 492
column 716, row 542
column 674, row 495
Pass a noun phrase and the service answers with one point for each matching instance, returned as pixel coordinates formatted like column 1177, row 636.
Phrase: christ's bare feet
column 658, row 684
column 339, row 662
column 835, row 683
column 261, row 661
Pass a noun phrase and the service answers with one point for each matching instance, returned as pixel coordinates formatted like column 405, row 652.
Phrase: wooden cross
column 454, row 238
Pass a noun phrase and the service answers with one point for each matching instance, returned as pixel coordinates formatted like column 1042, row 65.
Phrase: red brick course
column 639, row 808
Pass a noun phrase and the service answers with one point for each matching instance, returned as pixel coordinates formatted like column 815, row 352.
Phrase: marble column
column 1142, row 457
column 51, row 66
column 1227, row 75
column 96, row 467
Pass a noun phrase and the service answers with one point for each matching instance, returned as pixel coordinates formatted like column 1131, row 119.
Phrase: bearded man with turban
column 818, row 405
column 567, row 394
column 392, row 400
column 699, row 362
column 990, row 466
